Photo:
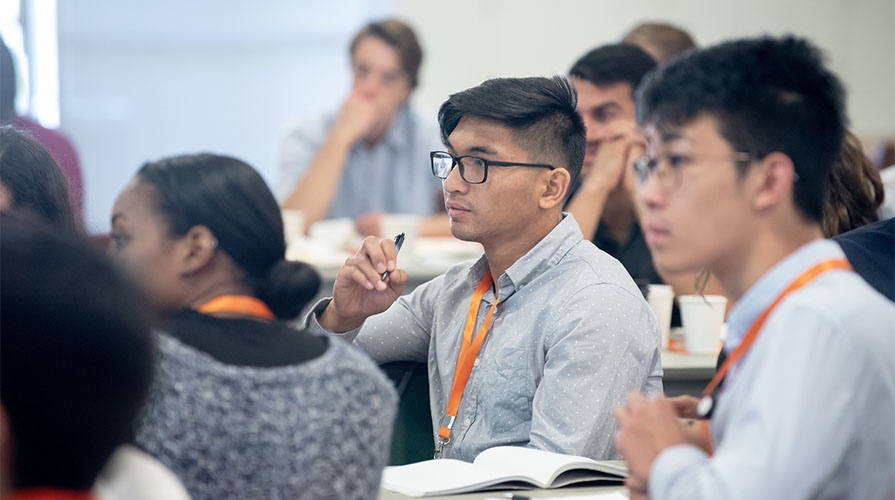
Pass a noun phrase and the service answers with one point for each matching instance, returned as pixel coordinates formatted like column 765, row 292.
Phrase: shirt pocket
column 507, row 391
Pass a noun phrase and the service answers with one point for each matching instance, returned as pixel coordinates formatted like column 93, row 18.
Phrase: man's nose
column 369, row 86
column 454, row 182
column 650, row 194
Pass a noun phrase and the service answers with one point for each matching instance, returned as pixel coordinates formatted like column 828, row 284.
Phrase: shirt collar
column 771, row 284
column 545, row 254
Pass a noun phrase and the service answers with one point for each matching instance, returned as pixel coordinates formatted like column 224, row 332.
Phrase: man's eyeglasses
column 668, row 168
column 473, row 169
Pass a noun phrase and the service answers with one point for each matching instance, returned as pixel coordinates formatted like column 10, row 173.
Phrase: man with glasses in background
column 742, row 137
column 534, row 343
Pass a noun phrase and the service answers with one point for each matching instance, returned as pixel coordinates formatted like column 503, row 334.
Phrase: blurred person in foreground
column 370, row 158
column 742, row 137
column 243, row 404
column 56, row 143
column 555, row 333
column 75, row 361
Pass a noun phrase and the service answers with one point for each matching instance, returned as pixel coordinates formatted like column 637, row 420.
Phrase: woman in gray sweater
column 244, row 405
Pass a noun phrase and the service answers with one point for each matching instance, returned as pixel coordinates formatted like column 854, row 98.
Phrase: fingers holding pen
column 371, row 262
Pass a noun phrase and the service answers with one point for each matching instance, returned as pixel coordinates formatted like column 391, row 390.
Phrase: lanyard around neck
column 706, row 403
column 469, row 350
column 239, row 304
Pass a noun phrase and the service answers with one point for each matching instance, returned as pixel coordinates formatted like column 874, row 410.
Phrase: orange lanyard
column 469, row 350
column 241, row 304
column 706, row 402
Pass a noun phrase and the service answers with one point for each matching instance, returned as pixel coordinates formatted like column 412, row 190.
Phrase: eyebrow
column 672, row 135
column 602, row 108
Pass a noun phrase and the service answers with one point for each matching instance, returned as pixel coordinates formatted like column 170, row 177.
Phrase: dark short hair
column 540, row 111
column 400, row 36
column 75, row 354
column 668, row 40
column 613, row 64
column 34, row 180
column 767, row 95
column 232, row 200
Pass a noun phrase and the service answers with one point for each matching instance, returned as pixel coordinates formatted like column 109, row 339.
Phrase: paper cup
column 293, row 225
column 394, row 224
column 661, row 300
column 338, row 234
column 702, row 318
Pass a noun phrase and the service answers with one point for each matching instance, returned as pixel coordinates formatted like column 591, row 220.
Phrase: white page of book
column 541, row 466
column 437, row 475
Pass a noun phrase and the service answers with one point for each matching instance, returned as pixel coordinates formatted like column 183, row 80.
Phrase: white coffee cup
column 338, row 234
column 661, row 300
column 702, row 317
column 392, row 225
column 293, row 225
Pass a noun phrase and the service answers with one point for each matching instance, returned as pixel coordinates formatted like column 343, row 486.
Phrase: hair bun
column 290, row 286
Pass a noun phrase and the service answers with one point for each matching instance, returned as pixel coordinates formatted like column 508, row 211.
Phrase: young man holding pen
column 536, row 342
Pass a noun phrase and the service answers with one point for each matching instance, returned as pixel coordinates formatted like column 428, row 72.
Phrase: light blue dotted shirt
column 570, row 337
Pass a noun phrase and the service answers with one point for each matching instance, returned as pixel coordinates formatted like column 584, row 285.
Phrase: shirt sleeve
column 605, row 343
column 296, row 152
column 400, row 333
column 791, row 423
column 403, row 331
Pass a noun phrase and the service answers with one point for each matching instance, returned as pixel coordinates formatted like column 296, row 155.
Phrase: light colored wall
column 141, row 80
column 144, row 80
column 467, row 41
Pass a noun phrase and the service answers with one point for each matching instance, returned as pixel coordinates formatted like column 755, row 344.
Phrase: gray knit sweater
column 316, row 430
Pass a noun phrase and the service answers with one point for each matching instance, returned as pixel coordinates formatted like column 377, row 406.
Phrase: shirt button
column 467, row 422
column 476, row 362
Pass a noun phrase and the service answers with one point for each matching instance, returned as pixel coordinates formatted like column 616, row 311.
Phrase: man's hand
column 359, row 118
column 359, row 291
column 684, row 406
column 646, row 427
column 615, row 157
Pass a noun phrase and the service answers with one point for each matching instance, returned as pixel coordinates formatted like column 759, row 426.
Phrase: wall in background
column 143, row 80
column 468, row 41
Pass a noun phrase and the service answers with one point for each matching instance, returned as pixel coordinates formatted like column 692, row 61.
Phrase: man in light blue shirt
column 742, row 137
column 566, row 331
column 372, row 157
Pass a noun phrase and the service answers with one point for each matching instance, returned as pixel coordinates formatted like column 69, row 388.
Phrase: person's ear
column 773, row 181
column 199, row 245
column 556, row 186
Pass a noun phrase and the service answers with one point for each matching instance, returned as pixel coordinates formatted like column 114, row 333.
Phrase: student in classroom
column 556, row 331
column 742, row 137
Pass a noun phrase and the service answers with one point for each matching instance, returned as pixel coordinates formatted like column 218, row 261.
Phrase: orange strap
column 241, row 304
column 469, row 350
column 752, row 334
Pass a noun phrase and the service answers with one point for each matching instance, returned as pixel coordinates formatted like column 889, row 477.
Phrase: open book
column 502, row 467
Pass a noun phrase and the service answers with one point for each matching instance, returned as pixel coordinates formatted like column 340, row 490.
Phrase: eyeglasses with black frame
column 668, row 168
column 473, row 170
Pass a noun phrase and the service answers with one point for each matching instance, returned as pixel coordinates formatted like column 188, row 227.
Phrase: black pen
column 399, row 240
